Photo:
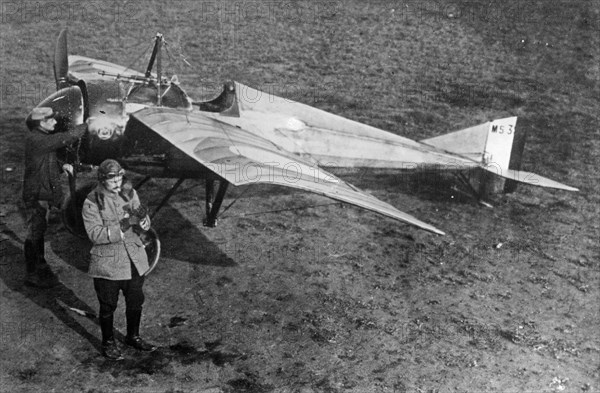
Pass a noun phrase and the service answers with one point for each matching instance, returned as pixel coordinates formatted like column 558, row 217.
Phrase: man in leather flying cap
column 114, row 219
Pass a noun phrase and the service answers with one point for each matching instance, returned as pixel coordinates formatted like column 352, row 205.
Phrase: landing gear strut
column 484, row 189
column 169, row 195
column 214, row 200
column 213, row 203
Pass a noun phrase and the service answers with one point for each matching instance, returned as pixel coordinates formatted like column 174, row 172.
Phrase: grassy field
column 332, row 298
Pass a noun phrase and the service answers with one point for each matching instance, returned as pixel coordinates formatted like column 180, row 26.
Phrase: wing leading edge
column 241, row 157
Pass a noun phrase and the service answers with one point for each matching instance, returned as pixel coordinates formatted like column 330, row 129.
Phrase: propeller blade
column 61, row 61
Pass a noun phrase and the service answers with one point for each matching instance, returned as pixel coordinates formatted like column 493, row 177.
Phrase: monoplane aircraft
column 245, row 136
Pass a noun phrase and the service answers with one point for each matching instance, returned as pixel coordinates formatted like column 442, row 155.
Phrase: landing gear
column 166, row 198
column 213, row 202
column 485, row 185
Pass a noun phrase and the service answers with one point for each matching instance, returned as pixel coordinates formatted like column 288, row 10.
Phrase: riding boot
column 40, row 249
column 106, row 326
column 110, row 349
column 134, row 318
column 133, row 338
column 30, row 257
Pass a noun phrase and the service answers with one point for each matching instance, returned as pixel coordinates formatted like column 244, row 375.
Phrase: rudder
column 499, row 143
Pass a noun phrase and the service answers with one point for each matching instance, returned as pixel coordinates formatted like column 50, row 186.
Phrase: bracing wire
column 234, row 201
column 142, row 53
column 173, row 57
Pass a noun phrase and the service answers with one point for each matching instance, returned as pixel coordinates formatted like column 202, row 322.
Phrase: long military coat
column 113, row 250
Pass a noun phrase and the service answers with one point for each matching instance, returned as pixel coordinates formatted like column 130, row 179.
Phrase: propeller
column 61, row 61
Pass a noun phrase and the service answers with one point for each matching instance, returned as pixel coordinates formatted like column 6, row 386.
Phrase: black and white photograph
column 300, row 196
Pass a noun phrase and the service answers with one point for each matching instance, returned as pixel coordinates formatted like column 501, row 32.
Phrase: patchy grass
column 333, row 298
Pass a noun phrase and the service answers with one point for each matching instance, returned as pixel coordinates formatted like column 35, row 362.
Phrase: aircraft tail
column 489, row 143
column 497, row 156
column 497, row 147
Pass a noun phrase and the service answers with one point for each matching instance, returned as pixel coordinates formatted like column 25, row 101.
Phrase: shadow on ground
column 56, row 299
column 182, row 240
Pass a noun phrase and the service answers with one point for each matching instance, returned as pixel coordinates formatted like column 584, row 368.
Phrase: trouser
column 108, row 297
column 37, row 223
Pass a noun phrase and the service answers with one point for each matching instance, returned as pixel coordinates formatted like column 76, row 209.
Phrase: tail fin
column 491, row 144
column 498, row 143
column 497, row 156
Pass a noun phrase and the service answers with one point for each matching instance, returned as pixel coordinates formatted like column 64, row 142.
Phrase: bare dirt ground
column 293, row 293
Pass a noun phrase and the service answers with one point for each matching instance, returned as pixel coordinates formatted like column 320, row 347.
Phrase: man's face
column 113, row 183
column 48, row 124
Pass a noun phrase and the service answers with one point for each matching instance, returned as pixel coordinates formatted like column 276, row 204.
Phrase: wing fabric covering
column 333, row 140
column 241, row 157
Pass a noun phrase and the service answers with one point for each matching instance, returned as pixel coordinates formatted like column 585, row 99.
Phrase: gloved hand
column 141, row 212
column 125, row 224
column 145, row 223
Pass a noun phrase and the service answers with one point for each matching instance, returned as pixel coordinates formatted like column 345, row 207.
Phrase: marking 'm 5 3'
column 503, row 129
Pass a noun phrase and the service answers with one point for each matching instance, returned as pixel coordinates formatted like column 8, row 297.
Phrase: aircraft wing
column 81, row 67
column 242, row 157
column 331, row 139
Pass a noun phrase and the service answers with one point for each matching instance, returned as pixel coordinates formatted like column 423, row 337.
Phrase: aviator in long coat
column 41, row 180
column 112, row 250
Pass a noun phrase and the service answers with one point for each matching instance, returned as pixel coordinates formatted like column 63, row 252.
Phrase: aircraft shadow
column 428, row 185
column 180, row 239
column 432, row 185
column 75, row 251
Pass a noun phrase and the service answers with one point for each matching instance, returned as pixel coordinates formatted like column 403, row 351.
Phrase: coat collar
column 40, row 129
column 100, row 188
